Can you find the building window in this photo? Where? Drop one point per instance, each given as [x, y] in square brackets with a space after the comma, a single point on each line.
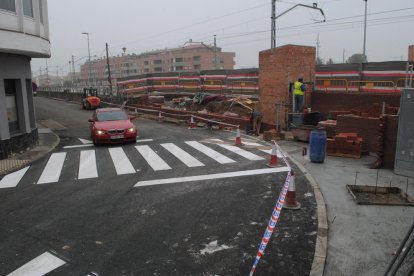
[179, 60]
[158, 69]
[28, 8]
[179, 68]
[8, 5]
[196, 58]
[158, 61]
[197, 67]
[11, 105]
[146, 62]
[221, 59]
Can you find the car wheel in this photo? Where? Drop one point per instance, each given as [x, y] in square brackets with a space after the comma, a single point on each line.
[88, 105]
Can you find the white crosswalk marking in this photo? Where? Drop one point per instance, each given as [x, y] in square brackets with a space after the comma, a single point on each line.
[53, 169]
[12, 179]
[241, 152]
[156, 163]
[220, 158]
[87, 165]
[121, 161]
[184, 156]
[40, 265]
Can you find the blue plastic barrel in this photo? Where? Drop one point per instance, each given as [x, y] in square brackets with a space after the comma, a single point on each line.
[317, 146]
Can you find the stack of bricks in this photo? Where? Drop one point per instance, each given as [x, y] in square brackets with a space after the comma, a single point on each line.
[367, 128]
[345, 145]
[277, 68]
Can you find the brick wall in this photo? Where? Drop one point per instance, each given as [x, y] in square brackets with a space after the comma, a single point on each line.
[277, 68]
[411, 53]
[346, 101]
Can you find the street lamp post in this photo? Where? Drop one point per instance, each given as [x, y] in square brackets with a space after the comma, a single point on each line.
[365, 32]
[89, 62]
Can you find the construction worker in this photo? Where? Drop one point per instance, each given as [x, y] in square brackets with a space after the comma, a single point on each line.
[256, 121]
[299, 89]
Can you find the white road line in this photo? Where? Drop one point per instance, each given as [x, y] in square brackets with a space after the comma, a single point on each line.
[184, 156]
[40, 265]
[53, 168]
[210, 176]
[12, 179]
[78, 146]
[156, 163]
[84, 141]
[121, 161]
[87, 165]
[220, 158]
[144, 140]
[241, 152]
[269, 151]
[252, 144]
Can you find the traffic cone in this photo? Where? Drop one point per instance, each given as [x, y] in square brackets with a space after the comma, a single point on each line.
[238, 139]
[192, 124]
[273, 158]
[160, 117]
[290, 200]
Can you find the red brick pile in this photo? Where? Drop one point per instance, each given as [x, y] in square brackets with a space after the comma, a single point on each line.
[345, 145]
[329, 126]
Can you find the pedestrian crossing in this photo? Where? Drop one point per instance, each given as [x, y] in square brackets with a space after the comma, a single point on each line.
[172, 155]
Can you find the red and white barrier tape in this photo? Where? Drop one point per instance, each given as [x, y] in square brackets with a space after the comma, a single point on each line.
[275, 214]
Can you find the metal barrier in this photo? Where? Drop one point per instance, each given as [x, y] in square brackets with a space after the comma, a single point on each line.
[331, 84]
[372, 86]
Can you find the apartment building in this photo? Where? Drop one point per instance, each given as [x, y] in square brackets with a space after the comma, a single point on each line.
[24, 34]
[194, 57]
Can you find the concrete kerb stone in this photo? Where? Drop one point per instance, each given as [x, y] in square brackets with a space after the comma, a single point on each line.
[319, 259]
[26, 158]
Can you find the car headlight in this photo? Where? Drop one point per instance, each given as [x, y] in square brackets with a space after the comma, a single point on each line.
[100, 132]
[131, 129]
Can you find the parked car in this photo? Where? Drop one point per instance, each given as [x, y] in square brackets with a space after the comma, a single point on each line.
[112, 125]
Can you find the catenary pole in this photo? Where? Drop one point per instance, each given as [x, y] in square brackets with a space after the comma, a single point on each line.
[109, 70]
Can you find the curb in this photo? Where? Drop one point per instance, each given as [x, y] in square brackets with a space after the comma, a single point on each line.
[319, 259]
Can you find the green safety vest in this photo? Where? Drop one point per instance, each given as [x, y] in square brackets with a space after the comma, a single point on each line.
[297, 90]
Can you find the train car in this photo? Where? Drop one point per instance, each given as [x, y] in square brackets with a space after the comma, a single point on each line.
[133, 86]
[189, 82]
[243, 82]
[373, 77]
[214, 81]
[163, 82]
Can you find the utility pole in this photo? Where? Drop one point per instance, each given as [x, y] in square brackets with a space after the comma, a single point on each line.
[273, 27]
[343, 55]
[317, 48]
[89, 54]
[73, 69]
[109, 70]
[47, 74]
[215, 53]
[365, 31]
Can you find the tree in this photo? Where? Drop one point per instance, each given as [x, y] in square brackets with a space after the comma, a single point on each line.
[330, 61]
[319, 61]
[357, 58]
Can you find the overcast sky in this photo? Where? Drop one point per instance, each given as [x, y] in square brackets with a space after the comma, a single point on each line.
[241, 26]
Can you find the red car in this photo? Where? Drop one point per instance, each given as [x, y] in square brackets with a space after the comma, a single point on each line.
[112, 125]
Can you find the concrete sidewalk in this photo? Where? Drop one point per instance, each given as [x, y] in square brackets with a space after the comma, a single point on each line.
[361, 238]
[46, 143]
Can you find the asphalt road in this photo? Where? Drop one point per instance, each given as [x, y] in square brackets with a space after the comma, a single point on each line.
[99, 219]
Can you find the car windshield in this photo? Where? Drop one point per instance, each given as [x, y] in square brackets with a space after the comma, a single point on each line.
[111, 116]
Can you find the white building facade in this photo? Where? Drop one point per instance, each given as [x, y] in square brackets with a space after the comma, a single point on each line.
[24, 34]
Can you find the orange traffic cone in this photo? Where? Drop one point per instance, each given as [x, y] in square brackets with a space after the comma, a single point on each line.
[290, 200]
[160, 117]
[192, 124]
[273, 158]
[238, 139]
